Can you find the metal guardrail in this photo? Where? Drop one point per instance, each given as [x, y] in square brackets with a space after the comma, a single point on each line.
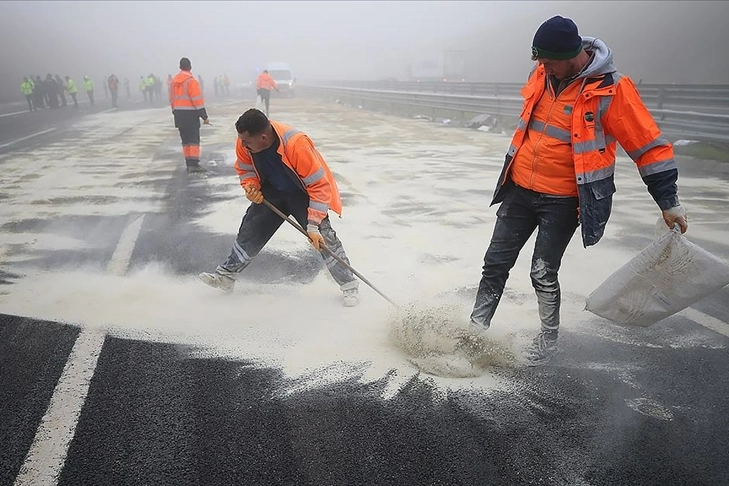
[693, 112]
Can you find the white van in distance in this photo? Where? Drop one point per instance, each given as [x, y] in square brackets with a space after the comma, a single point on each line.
[281, 73]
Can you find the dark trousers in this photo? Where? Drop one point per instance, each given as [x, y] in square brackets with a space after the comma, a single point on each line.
[521, 212]
[265, 95]
[114, 97]
[73, 97]
[38, 99]
[91, 96]
[260, 223]
[29, 97]
[190, 136]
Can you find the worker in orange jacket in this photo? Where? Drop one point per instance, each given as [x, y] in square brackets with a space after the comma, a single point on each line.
[188, 107]
[558, 172]
[264, 84]
[279, 163]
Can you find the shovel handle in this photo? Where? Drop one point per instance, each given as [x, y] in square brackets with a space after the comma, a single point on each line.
[331, 253]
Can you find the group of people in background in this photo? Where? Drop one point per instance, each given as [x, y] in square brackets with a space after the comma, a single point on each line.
[51, 91]
[221, 84]
[54, 92]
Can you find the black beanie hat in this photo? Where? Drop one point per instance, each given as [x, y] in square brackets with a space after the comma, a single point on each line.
[185, 64]
[557, 38]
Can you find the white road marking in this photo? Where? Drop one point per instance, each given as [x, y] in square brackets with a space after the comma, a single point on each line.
[706, 320]
[124, 248]
[47, 454]
[14, 113]
[26, 138]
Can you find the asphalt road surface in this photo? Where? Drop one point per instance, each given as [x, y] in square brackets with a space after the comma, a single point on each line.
[118, 367]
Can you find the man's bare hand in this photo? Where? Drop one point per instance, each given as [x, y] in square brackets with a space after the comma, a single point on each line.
[254, 194]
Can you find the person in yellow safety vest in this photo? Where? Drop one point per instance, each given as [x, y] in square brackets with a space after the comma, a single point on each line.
[27, 89]
[188, 107]
[149, 82]
[72, 90]
[89, 87]
[558, 172]
[143, 87]
[279, 164]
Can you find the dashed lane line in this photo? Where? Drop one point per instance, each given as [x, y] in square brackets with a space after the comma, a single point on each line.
[123, 253]
[706, 320]
[47, 454]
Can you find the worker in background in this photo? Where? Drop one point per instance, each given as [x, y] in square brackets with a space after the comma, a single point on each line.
[38, 95]
[188, 107]
[26, 87]
[143, 87]
[169, 85]
[51, 91]
[279, 163]
[72, 90]
[61, 88]
[113, 82]
[264, 84]
[149, 82]
[89, 87]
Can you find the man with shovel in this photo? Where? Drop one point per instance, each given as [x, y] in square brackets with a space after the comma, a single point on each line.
[558, 172]
[279, 166]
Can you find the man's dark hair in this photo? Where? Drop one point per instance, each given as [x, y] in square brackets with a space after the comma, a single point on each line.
[185, 64]
[252, 121]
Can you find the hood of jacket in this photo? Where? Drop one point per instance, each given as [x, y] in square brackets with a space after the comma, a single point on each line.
[602, 58]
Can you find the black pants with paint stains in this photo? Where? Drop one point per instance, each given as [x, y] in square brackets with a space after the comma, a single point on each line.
[260, 223]
[521, 212]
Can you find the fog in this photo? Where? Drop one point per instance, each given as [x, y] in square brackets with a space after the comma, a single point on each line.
[676, 42]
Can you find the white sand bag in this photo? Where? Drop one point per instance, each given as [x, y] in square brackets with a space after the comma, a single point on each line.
[664, 278]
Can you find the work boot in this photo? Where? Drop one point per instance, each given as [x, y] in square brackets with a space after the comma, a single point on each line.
[195, 168]
[543, 349]
[218, 281]
[350, 297]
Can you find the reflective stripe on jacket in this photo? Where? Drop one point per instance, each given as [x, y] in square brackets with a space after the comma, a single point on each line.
[185, 93]
[71, 86]
[607, 110]
[543, 163]
[298, 153]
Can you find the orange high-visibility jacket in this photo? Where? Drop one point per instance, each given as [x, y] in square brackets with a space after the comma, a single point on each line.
[265, 81]
[606, 109]
[298, 154]
[186, 100]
